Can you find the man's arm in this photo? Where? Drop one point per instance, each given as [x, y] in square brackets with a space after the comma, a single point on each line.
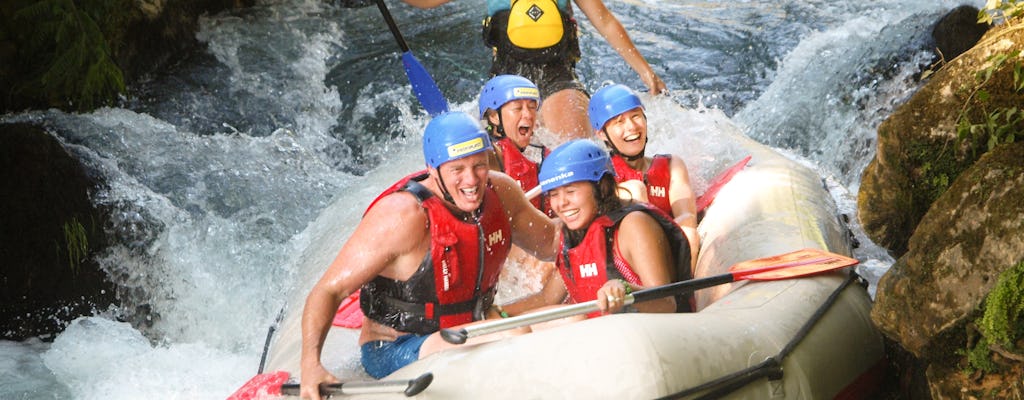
[531, 229]
[613, 32]
[390, 232]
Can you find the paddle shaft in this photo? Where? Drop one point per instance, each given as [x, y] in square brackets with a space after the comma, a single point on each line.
[410, 387]
[392, 26]
[459, 336]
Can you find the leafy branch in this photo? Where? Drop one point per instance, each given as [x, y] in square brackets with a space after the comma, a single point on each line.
[1002, 124]
[76, 60]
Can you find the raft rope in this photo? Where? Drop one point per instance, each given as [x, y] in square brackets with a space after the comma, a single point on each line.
[770, 367]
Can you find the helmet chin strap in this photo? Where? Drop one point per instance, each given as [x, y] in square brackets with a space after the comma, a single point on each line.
[615, 150]
[446, 195]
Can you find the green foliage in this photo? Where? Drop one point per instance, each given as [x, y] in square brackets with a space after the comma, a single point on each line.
[76, 244]
[999, 11]
[1004, 307]
[998, 125]
[1001, 324]
[75, 62]
[936, 170]
[979, 357]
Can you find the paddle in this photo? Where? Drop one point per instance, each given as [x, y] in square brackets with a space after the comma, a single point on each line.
[704, 200]
[273, 384]
[784, 266]
[423, 84]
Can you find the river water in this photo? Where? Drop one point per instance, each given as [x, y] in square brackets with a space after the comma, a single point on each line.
[227, 168]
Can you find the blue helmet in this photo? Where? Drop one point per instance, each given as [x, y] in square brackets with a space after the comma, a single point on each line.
[609, 102]
[576, 160]
[502, 89]
[451, 136]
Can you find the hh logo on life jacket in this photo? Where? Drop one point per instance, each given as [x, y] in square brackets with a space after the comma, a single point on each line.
[658, 191]
[588, 270]
[494, 237]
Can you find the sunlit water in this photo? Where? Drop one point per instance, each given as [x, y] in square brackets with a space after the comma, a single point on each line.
[226, 168]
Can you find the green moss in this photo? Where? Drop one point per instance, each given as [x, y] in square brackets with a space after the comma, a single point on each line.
[937, 170]
[979, 358]
[1001, 324]
[1004, 307]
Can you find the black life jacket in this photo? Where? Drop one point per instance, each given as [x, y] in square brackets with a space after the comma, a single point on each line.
[533, 31]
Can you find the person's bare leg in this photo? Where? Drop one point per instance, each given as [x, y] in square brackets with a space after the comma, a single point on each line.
[564, 114]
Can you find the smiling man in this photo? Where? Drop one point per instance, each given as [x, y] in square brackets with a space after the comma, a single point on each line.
[426, 255]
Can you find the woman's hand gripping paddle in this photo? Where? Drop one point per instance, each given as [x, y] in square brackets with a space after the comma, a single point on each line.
[273, 384]
[795, 264]
[423, 84]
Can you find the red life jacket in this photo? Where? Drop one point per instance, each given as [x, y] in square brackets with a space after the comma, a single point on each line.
[587, 265]
[522, 169]
[657, 178]
[456, 281]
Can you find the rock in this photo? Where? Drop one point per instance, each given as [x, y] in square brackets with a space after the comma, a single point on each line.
[968, 237]
[958, 31]
[918, 154]
[48, 233]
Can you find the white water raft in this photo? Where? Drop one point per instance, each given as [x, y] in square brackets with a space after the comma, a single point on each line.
[804, 338]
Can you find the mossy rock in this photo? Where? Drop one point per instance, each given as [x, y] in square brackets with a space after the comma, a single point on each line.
[919, 153]
[968, 238]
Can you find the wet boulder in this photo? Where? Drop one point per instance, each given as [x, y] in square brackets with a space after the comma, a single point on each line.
[957, 32]
[49, 233]
[968, 237]
[929, 300]
[919, 153]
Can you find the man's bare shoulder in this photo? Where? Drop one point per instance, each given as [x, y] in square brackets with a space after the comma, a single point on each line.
[401, 207]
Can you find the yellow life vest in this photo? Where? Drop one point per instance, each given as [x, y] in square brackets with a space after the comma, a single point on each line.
[535, 24]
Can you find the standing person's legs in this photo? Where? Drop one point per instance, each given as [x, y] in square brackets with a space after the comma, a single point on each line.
[564, 113]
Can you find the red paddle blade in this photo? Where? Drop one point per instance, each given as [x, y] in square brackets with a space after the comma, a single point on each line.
[261, 386]
[795, 264]
[349, 314]
[704, 200]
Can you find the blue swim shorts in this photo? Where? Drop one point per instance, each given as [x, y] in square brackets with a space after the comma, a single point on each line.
[381, 358]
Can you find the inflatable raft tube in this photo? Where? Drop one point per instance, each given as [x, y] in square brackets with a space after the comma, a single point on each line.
[805, 338]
